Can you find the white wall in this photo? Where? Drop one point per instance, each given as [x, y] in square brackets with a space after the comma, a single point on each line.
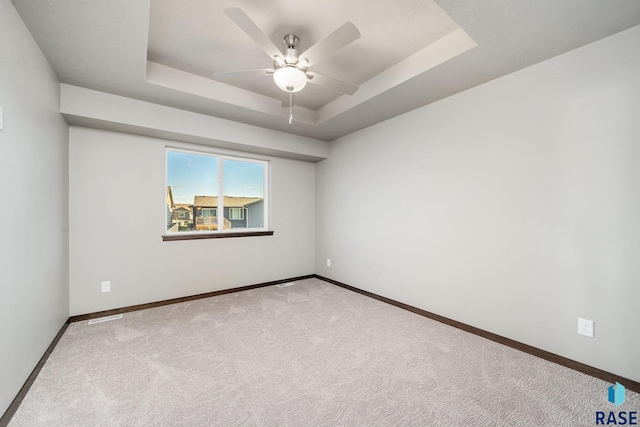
[513, 207]
[117, 213]
[33, 201]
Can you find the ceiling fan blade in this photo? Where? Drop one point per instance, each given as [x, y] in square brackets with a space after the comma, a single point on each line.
[287, 99]
[348, 33]
[228, 75]
[331, 83]
[245, 23]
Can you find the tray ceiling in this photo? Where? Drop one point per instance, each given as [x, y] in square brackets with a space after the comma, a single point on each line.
[411, 53]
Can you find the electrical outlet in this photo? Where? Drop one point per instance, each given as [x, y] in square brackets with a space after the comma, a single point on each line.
[328, 262]
[585, 327]
[106, 286]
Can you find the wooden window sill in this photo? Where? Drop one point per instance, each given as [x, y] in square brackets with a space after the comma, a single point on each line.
[172, 237]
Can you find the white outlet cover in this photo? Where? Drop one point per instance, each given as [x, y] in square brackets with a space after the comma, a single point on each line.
[585, 327]
[105, 286]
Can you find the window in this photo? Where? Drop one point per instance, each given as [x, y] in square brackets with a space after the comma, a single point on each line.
[210, 184]
[236, 213]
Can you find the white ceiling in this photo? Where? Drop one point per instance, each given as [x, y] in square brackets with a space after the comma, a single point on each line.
[411, 53]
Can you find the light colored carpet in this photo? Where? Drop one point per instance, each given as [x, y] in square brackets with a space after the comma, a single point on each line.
[312, 354]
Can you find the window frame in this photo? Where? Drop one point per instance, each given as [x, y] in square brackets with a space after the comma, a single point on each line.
[221, 156]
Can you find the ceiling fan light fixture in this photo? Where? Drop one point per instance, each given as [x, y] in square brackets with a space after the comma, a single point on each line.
[290, 79]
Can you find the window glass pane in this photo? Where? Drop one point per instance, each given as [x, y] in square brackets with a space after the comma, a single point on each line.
[192, 183]
[244, 191]
[193, 199]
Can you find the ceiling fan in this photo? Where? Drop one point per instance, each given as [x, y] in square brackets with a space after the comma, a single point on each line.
[291, 68]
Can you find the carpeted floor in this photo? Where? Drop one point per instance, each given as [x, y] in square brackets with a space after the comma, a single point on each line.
[312, 354]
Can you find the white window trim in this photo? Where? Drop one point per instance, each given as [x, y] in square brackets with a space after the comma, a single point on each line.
[221, 156]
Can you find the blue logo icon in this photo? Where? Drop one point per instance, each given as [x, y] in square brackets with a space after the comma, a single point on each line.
[616, 394]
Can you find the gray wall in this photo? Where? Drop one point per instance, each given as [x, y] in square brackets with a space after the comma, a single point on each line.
[521, 202]
[110, 170]
[34, 300]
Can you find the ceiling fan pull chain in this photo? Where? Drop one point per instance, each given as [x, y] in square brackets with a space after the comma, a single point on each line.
[290, 107]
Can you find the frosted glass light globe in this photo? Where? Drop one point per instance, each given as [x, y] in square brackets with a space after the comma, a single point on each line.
[290, 79]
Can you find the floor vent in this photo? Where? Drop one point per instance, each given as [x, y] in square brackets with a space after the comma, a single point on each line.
[105, 319]
[284, 285]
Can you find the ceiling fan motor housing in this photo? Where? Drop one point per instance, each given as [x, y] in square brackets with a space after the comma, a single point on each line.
[291, 56]
[290, 75]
